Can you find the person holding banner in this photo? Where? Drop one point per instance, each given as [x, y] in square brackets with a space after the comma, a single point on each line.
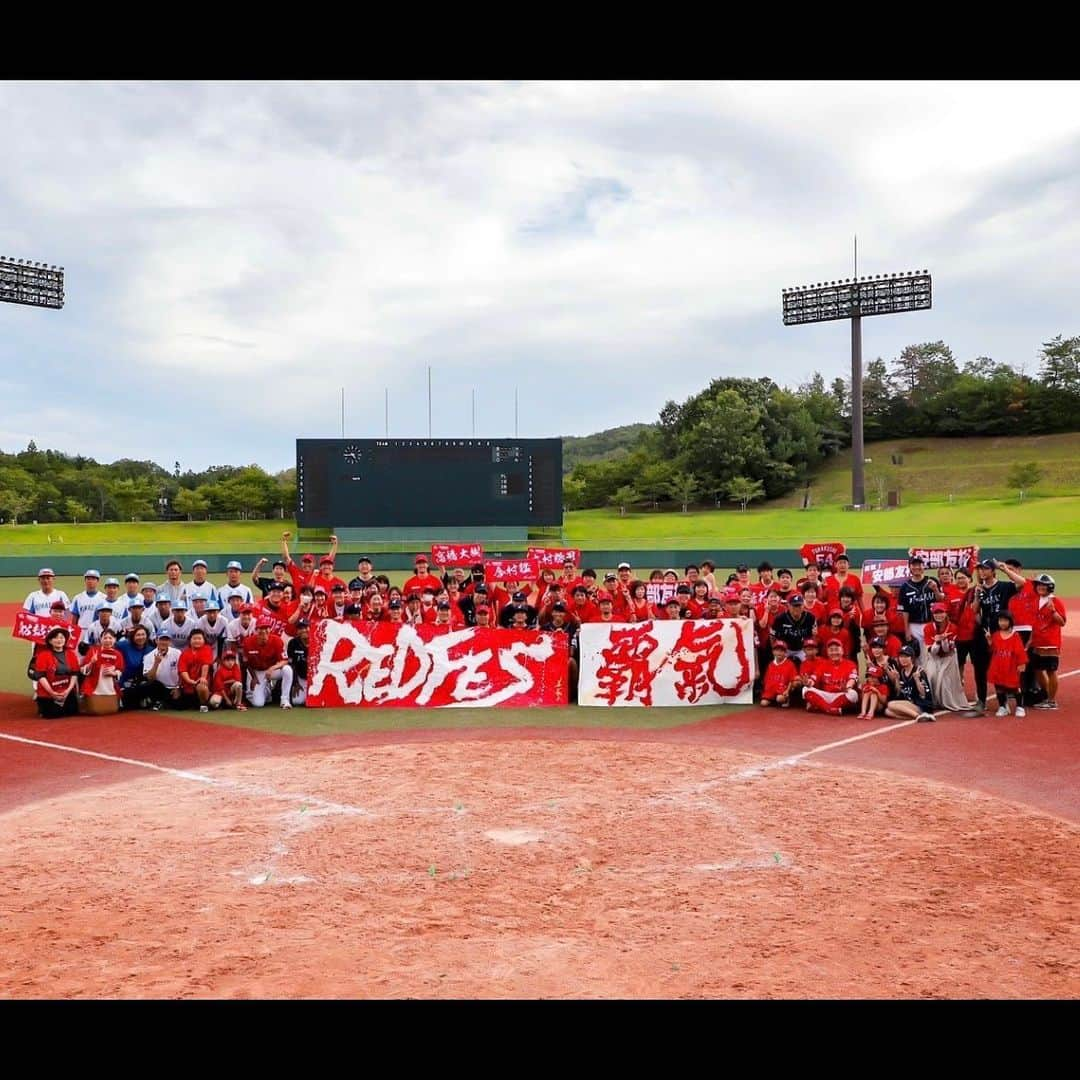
[56, 671]
[940, 661]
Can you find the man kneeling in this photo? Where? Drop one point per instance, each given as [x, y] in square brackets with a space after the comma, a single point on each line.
[834, 687]
[264, 654]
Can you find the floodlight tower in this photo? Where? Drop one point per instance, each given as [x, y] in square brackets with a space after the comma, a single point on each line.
[852, 298]
[31, 283]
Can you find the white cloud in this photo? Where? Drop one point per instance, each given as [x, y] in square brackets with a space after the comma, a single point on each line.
[603, 245]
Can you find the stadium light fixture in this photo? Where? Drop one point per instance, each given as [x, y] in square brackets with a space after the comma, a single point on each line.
[889, 294]
[33, 284]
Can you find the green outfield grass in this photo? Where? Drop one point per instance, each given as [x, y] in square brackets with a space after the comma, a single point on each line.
[1037, 522]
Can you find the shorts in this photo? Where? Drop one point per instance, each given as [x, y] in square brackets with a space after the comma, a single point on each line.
[1045, 663]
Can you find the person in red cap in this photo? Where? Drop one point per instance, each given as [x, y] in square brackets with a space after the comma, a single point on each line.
[874, 691]
[779, 676]
[940, 663]
[227, 689]
[834, 690]
[305, 573]
[422, 579]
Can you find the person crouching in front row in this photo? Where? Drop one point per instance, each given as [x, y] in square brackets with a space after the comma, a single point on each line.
[779, 677]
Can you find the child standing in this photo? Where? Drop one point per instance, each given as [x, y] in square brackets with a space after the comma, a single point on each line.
[1008, 660]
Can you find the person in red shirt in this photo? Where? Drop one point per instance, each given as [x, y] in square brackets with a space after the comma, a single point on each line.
[834, 628]
[102, 665]
[193, 668]
[834, 691]
[939, 660]
[619, 593]
[327, 578]
[1008, 659]
[879, 631]
[810, 669]
[960, 600]
[483, 616]
[266, 663]
[422, 578]
[227, 688]
[305, 573]
[785, 583]
[56, 676]
[841, 578]
[569, 579]
[765, 582]
[811, 577]
[274, 608]
[605, 614]
[582, 608]
[779, 676]
[1045, 646]
[874, 691]
[811, 603]
[699, 598]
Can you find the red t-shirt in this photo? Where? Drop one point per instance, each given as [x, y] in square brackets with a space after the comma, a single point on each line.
[834, 584]
[778, 678]
[278, 616]
[428, 581]
[260, 657]
[834, 678]
[301, 577]
[1047, 633]
[810, 671]
[191, 663]
[1023, 605]
[223, 676]
[97, 658]
[48, 664]
[825, 633]
[1006, 656]
[930, 632]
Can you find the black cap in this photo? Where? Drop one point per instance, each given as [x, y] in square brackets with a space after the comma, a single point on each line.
[443, 605]
[558, 606]
[877, 643]
[478, 568]
[395, 604]
[742, 568]
[301, 623]
[283, 566]
[988, 564]
[795, 600]
[916, 560]
[518, 598]
[338, 588]
[275, 585]
[683, 589]
[481, 588]
[907, 650]
[364, 558]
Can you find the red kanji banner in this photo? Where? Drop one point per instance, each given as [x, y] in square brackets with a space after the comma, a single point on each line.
[688, 662]
[821, 553]
[33, 628]
[884, 571]
[510, 570]
[451, 555]
[553, 558]
[371, 664]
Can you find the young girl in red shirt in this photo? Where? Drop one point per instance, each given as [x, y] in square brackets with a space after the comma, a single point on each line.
[1008, 660]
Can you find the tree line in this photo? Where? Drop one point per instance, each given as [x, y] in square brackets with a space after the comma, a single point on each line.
[50, 486]
[744, 439]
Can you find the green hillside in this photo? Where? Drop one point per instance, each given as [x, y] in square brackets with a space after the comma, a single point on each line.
[601, 445]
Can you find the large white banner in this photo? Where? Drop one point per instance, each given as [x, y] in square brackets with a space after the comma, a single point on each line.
[671, 662]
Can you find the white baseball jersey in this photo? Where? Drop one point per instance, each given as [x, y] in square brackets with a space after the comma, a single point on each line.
[215, 631]
[92, 634]
[236, 631]
[207, 590]
[121, 604]
[179, 631]
[40, 603]
[229, 590]
[168, 674]
[173, 592]
[127, 624]
[84, 607]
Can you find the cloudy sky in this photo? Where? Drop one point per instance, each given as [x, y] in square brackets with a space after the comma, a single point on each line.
[237, 252]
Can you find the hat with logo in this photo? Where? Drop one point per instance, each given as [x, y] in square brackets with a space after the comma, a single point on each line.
[199, 562]
[234, 565]
[136, 601]
[131, 577]
[90, 573]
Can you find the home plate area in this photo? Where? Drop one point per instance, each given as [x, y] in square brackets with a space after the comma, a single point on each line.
[535, 869]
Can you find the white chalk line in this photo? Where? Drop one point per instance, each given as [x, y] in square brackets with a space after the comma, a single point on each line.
[782, 763]
[237, 786]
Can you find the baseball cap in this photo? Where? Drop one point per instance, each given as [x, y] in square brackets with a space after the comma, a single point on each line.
[248, 609]
[338, 588]
[683, 589]
[148, 585]
[326, 561]
[131, 577]
[938, 607]
[907, 650]
[163, 599]
[301, 623]
[609, 576]
[623, 566]
[604, 598]
[988, 564]
[558, 606]
[198, 562]
[276, 586]
[834, 641]
[46, 570]
[136, 601]
[671, 600]
[568, 560]
[915, 560]
[482, 607]
[420, 559]
[179, 605]
[228, 653]
[58, 605]
[443, 605]
[212, 605]
[779, 645]
[481, 588]
[394, 605]
[234, 565]
[715, 598]
[877, 643]
[742, 568]
[90, 573]
[112, 581]
[320, 591]
[810, 643]
[796, 600]
[278, 562]
[364, 558]
[518, 597]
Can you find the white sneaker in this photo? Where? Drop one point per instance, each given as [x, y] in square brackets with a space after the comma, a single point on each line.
[203, 708]
[286, 705]
[1003, 711]
[1021, 711]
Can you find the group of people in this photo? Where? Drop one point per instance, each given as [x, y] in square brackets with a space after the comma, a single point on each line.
[196, 644]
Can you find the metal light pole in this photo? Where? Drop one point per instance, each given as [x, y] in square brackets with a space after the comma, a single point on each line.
[852, 298]
[31, 283]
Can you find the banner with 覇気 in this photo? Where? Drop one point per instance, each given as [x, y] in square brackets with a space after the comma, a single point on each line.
[677, 662]
[382, 663]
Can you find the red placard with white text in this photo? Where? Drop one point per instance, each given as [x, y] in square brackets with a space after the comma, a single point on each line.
[451, 555]
[395, 664]
[553, 558]
[510, 570]
[891, 572]
[33, 628]
[822, 553]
